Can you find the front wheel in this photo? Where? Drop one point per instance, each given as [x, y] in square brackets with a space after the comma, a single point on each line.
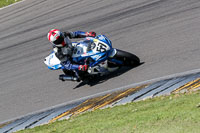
[127, 58]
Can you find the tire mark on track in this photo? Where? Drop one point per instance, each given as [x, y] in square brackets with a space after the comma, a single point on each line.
[133, 11]
[41, 15]
[153, 21]
[20, 10]
[109, 17]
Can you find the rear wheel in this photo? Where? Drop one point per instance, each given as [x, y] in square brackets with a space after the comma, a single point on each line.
[127, 58]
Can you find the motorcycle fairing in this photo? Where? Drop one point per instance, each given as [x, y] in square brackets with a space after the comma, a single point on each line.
[98, 49]
[92, 48]
[52, 62]
[104, 39]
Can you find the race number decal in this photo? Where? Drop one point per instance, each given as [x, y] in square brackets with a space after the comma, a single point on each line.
[99, 46]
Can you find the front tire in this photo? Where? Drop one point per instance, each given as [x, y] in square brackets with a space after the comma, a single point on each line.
[127, 58]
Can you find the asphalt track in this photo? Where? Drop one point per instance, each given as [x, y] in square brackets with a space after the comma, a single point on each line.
[165, 34]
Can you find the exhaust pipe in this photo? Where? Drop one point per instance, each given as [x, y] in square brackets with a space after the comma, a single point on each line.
[68, 78]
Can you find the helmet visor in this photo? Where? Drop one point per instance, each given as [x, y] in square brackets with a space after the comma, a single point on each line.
[59, 40]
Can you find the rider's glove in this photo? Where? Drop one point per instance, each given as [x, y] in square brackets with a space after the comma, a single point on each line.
[90, 34]
[83, 67]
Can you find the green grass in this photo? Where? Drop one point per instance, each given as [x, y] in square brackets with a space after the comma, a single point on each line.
[170, 114]
[7, 2]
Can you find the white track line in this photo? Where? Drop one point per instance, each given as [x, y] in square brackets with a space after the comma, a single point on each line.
[12, 4]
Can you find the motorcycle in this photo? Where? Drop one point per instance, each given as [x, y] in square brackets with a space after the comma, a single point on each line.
[98, 54]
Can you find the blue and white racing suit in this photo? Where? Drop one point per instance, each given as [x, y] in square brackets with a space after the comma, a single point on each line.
[64, 53]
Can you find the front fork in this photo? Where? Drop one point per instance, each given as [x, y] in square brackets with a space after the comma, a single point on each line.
[112, 54]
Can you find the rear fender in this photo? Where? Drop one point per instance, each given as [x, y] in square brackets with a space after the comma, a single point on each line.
[52, 62]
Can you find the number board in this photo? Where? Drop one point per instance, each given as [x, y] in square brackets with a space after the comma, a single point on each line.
[99, 46]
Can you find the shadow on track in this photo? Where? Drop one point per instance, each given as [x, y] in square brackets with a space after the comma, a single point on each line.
[101, 79]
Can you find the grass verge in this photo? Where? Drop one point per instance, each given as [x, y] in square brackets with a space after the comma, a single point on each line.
[178, 113]
[7, 2]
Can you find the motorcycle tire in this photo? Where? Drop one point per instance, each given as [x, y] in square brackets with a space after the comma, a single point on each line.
[127, 58]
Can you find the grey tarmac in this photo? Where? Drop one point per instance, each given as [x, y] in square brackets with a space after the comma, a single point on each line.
[165, 34]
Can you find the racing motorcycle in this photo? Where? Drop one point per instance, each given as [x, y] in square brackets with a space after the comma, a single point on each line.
[98, 54]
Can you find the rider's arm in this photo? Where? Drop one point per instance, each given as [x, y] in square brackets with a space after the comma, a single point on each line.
[69, 66]
[79, 34]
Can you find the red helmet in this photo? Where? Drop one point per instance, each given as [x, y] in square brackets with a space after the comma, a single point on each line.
[55, 36]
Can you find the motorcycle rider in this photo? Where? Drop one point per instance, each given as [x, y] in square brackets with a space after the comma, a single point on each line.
[63, 47]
